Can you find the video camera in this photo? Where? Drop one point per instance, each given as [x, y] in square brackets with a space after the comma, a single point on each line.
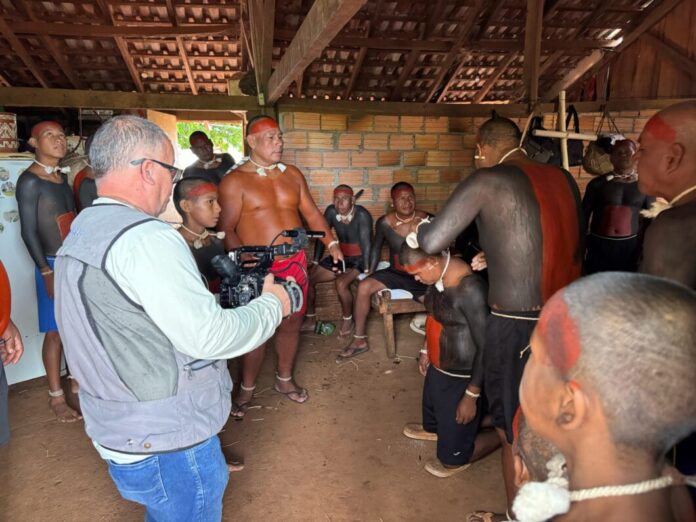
[242, 280]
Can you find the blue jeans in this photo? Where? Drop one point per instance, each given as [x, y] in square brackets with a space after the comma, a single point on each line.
[185, 485]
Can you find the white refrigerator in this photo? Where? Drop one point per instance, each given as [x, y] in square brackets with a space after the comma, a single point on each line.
[20, 269]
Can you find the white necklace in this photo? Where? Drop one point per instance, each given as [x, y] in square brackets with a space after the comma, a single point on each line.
[347, 218]
[633, 175]
[660, 206]
[440, 285]
[261, 170]
[510, 152]
[50, 170]
[198, 242]
[619, 491]
[400, 221]
[208, 164]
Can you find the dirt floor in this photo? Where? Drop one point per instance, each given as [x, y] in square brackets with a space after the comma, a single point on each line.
[340, 456]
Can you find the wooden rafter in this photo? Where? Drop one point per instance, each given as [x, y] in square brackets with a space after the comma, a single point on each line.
[598, 59]
[453, 78]
[261, 22]
[490, 16]
[4, 81]
[125, 31]
[181, 48]
[406, 70]
[323, 22]
[493, 78]
[122, 47]
[532, 48]
[676, 55]
[435, 15]
[22, 52]
[355, 72]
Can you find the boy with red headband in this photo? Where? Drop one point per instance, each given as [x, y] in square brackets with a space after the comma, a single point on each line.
[353, 226]
[46, 210]
[260, 198]
[451, 361]
[209, 165]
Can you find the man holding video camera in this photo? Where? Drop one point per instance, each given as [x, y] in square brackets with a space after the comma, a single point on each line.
[259, 198]
[144, 337]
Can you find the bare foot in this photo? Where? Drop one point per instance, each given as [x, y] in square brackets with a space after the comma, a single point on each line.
[356, 347]
[62, 411]
[290, 390]
[485, 516]
[346, 329]
[241, 401]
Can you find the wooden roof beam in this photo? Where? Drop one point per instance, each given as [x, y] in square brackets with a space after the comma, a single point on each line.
[452, 79]
[182, 49]
[262, 22]
[676, 55]
[355, 72]
[491, 16]
[22, 52]
[126, 31]
[490, 82]
[598, 59]
[323, 22]
[406, 70]
[532, 48]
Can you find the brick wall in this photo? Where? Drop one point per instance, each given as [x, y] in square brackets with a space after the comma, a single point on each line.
[373, 152]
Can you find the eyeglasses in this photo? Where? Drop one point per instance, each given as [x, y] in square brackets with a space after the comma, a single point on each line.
[174, 172]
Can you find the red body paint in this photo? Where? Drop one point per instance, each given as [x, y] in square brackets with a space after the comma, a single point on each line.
[346, 191]
[64, 221]
[616, 221]
[37, 129]
[560, 229]
[76, 186]
[350, 249]
[660, 129]
[199, 190]
[516, 423]
[560, 334]
[433, 329]
[5, 299]
[264, 124]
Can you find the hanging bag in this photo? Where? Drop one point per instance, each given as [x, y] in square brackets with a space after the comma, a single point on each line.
[597, 158]
[538, 148]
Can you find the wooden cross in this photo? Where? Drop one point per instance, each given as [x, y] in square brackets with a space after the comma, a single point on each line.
[562, 133]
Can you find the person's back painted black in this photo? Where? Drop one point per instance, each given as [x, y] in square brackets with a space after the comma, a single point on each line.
[385, 232]
[87, 193]
[530, 227]
[462, 312]
[353, 236]
[214, 175]
[46, 210]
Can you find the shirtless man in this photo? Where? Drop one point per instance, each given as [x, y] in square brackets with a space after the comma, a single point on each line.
[528, 218]
[259, 199]
[611, 205]
[614, 421]
[209, 165]
[353, 226]
[46, 210]
[392, 228]
[451, 361]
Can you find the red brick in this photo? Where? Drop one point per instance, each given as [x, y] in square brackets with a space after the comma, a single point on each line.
[429, 207]
[374, 141]
[401, 141]
[462, 158]
[336, 159]
[334, 122]
[412, 124]
[295, 140]
[438, 192]
[414, 159]
[628, 114]
[360, 123]
[315, 192]
[451, 142]
[639, 124]
[380, 176]
[320, 140]
[321, 177]
[386, 123]
[426, 141]
[438, 158]
[377, 209]
[428, 175]
[367, 195]
[433, 124]
[354, 178]
[364, 159]
[307, 120]
[289, 157]
[384, 194]
[389, 159]
[308, 159]
[451, 176]
[469, 141]
[462, 125]
[350, 141]
[420, 193]
[648, 112]
[624, 124]
[286, 121]
[408, 175]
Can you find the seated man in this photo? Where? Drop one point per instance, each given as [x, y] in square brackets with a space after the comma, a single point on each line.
[612, 206]
[196, 201]
[614, 391]
[353, 226]
[392, 228]
[209, 165]
[452, 363]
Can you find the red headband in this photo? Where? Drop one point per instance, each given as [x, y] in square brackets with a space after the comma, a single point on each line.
[660, 129]
[415, 266]
[263, 124]
[199, 190]
[343, 191]
[37, 129]
[561, 334]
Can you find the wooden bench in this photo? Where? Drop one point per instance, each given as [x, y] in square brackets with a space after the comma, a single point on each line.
[388, 307]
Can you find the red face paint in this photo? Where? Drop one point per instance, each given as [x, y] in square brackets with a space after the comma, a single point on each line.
[516, 424]
[37, 129]
[199, 190]
[264, 124]
[415, 266]
[660, 129]
[395, 194]
[339, 191]
[560, 334]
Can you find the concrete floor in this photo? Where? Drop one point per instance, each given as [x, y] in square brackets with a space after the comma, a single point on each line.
[341, 456]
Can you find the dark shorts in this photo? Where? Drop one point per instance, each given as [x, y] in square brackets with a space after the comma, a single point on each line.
[441, 395]
[505, 354]
[395, 279]
[352, 262]
[47, 319]
[611, 255]
[4, 415]
[295, 266]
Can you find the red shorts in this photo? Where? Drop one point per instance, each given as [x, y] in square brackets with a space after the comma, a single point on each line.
[296, 267]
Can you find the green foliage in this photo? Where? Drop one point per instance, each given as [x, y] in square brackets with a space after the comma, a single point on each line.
[223, 135]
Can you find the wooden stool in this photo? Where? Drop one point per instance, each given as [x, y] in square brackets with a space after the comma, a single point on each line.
[383, 303]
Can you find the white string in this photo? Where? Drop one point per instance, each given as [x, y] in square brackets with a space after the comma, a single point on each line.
[618, 491]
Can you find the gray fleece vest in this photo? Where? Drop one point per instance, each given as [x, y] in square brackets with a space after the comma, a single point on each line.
[137, 392]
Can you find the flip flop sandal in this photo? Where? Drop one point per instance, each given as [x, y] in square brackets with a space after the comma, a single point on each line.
[435, 467]
[300, 392]
[354, 352]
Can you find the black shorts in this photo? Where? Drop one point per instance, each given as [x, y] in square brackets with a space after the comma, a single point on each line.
[355, 262]
[606, 254]
[504, 356]
[396, 279]
[441, 395]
